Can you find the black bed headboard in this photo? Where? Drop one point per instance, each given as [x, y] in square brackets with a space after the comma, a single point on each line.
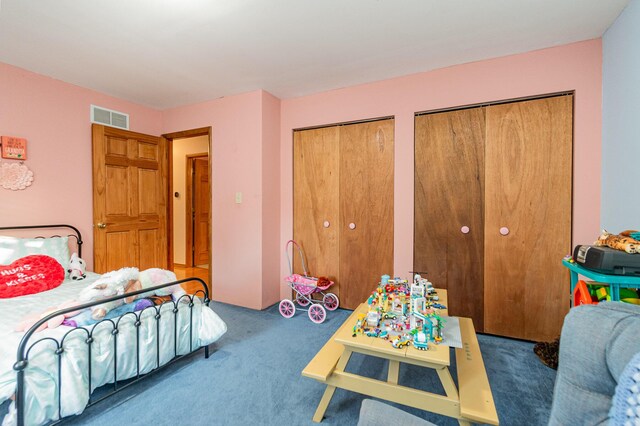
[76, 233]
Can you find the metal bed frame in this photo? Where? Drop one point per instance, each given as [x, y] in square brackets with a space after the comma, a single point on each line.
[22, 359]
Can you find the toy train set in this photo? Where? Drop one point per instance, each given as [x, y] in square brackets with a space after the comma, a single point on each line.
[403, 314]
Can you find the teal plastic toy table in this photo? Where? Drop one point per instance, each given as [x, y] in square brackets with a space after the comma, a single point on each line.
[616, 282]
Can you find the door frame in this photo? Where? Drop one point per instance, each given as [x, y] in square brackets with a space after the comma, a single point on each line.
[202, 131]
[190, 207]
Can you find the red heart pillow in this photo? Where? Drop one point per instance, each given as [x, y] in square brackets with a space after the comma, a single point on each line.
[30, 275]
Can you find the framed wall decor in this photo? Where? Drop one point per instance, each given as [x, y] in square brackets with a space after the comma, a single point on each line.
[13, 148]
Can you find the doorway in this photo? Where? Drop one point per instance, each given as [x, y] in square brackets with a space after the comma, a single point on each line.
[190, 253]
[197, 210]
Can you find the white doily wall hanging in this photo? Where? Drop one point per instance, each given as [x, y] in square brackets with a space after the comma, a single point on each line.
[15, 176]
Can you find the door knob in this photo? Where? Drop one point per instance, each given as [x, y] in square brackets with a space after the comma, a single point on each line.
[102, 225]
[465, 229]
[504, 230]
[326, 224]
[352, 226]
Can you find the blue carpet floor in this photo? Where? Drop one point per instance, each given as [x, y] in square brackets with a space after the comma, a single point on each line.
[253, 377]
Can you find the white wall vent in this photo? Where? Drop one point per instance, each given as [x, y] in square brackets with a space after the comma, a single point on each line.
[109, 117]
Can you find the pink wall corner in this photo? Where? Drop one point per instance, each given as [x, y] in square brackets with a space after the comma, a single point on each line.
[270, 199]
[236, 161]
[575, 66]
[54, 117]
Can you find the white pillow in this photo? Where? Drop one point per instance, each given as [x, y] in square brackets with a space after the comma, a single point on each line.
[12, 248]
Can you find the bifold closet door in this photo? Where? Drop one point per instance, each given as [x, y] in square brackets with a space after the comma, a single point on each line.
[366, 208]
[527, 217]
[316, 203]
[448, 207]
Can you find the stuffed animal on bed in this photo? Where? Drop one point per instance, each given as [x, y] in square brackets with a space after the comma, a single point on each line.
[77, 268]
[153, 277]
[127, 280]
[618, 242]
[54, 322]
[108, 285]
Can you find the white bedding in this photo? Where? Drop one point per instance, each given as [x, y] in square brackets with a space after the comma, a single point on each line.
[41, 375]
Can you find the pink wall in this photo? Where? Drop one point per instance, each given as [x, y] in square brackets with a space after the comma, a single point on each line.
[54, 117]
[271, 248]
[252, 151]
[236, 161]
[571, 67]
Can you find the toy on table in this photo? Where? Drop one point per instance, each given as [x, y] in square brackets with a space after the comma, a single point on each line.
[373, 318]
[621, 241]
[631, 233]
[401, 341]
[426, 328]
[358, 327]
[402, 313]
[304, 287]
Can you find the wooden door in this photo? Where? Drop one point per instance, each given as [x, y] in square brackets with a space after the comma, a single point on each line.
[129, 199]
[366, 208]
[448, 202]
[528, 193]
[201, 209]
[316, 219]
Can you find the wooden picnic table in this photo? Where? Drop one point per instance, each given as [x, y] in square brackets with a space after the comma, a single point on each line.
[470, 401]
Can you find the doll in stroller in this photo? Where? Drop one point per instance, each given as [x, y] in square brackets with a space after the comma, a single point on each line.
[304, 287]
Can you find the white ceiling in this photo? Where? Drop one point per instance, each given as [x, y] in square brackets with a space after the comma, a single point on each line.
[165, 53]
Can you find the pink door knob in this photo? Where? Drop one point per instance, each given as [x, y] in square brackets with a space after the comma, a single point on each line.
[465, 229]
[504, 230]
[326, 224]
[352, 226]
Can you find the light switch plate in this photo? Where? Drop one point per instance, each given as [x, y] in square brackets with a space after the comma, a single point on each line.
[238, 197]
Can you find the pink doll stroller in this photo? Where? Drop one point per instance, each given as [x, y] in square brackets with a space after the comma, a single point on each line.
[304, 286]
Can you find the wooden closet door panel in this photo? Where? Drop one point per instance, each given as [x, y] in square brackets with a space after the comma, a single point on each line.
[449, 188]
[366, 200]
[316, 168]
[528, 191]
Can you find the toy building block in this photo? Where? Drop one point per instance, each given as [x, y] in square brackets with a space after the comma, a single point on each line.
[373, 318]
[602, 293]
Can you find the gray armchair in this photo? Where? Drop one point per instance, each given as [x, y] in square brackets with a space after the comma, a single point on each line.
[596, 344]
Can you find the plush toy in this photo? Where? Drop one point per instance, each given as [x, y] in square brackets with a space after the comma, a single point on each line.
[631, 233]
[110, 284]
[54, 322]
[128, 280]
[151, 278]
[618, 242]
[77, 268]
